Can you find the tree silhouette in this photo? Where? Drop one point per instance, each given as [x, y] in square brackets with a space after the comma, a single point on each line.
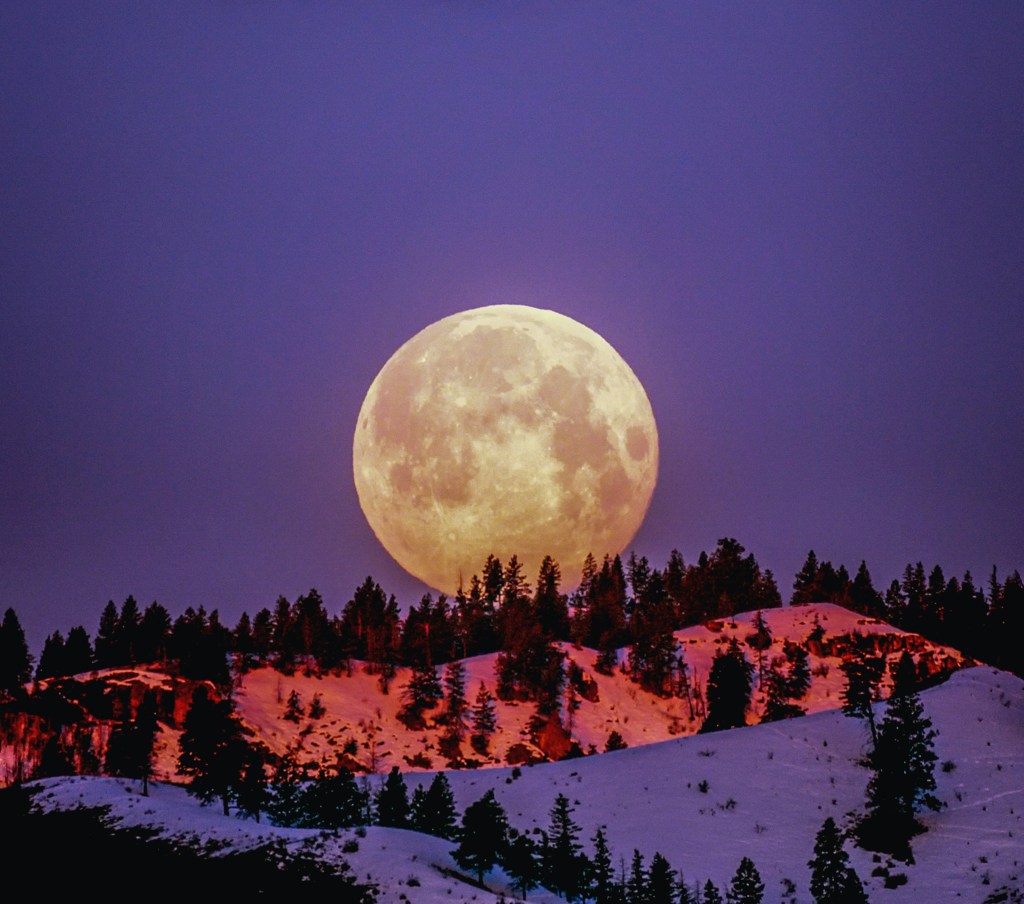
[833, 880]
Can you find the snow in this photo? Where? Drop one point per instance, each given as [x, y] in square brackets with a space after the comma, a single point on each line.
[769, 787]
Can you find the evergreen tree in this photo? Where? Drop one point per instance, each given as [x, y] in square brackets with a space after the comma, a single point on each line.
[251, 794]
[601, 876]
[833, 880]
[863, 674]
[316, 707]
[131, 744]
[108, 654]
[153, 634]
[77, 651]
[15, 661]
[799, 671]
[661, 881]
[777, 696]
[562, 856]
[455, 698]
[903, 762]
[805, 585]
[520, 862]
[393, 801]
[483, 838]
[423, 692]
[286, 804]
[333, 800]
[729, 689]
[51, 660]
[746, 886]
[636, 884]
[128, 630]
[711, 893]
[213, 749]
[438, 810]
[293, 708]
[485, 719]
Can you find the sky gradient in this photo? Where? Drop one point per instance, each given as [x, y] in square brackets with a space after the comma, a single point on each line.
[802, 225]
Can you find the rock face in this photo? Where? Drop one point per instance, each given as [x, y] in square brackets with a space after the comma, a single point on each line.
[65, 723]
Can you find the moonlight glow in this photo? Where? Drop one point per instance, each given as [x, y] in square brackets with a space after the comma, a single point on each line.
[504, 430]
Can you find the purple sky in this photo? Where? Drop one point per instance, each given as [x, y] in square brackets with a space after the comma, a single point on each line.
[801, 224]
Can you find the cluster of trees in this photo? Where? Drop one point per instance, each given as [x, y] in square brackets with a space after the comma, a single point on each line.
[555, 859]
[952, 612]
[902, 754]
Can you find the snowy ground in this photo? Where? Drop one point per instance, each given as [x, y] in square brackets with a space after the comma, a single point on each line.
[769, 788]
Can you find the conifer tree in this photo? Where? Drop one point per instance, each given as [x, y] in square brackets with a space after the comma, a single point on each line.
[439, 816]
[711, 893]
[746, 886]
[483, 838]
[131, 745]
[251, 795]
[333, 800]
[485, 719]
[601, 876]
[107, 652]
[799, 681]
[520, 862]
[293, 708]
[15, 661]
[455, 698]
[636, 884]
[863, 674]
[213, 748]
[286, 804]
[728, 691]
[423, 692]
[833, 880]
[563, 862]
[903, 761]
[393, 801]
[51, 660]
[78, 655]
[661, 881]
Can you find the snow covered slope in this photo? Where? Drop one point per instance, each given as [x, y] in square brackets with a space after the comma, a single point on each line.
[361, 719]
[768, 789]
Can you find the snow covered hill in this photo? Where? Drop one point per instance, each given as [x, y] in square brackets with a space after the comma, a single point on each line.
[702, 801]
[362, 721]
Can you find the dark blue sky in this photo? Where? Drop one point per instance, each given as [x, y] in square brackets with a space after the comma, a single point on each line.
[801, 224]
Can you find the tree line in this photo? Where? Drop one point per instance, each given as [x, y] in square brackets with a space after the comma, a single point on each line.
[617, 606]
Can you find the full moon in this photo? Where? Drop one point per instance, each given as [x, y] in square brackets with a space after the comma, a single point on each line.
[505, 430]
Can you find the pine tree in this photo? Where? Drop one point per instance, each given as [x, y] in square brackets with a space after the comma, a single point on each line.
[601, 876]
[520, 862]
[455, 698]
[485, 719]
[746, 886]
[728, 691]
[636, 884]
[107, 652]
[903, 761]
[286, 803]
[251, 794]
[15, 661]
[711, 893]
[333, 800]
[316, 707]
[661, 881]
[799, 673]
[293, 708]
[439, 817]
[423, 692]
[131, 745]
[863, 674]
[562, 860]
[483, 838]
[393, 801]
[77, 651]
[52, 659]
[213, 749]
[833, 880]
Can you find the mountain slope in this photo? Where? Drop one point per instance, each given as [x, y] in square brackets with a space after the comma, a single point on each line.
[769, 788]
